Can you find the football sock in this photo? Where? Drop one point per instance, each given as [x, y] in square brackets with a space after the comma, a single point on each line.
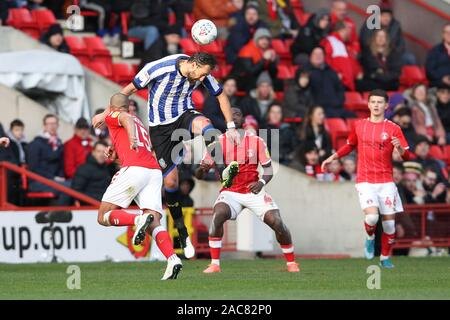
[288, 251]
[370, 223]
[215, 244]
[163, 241]
[173, 202]
[387, 239]
[119, 218]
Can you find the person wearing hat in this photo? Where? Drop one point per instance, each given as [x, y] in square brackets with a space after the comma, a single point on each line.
[309, 37]
[242, 30]
[254, 58]
[54, 38]
[412, 183]
[77, 148]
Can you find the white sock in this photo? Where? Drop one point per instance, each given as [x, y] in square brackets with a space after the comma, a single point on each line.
[383, 257]
[215, 261]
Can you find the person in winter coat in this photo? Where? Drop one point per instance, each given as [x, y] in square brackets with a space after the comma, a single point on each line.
[298, 96]
[77, 148]
[54, 38]
[93, 177]
[438, 60]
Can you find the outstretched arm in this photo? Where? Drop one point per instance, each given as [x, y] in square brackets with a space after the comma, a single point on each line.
[129, 89]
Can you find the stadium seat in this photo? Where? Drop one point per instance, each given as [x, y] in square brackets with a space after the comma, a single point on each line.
[143, 94]
[78, 49]
[351, 123]
[122, 73]
[188, 22]
[44, 19]
[20, 18]
[101, 69]
[188, 45]
[85, 13]
[279, 95]
[198, 99]
[281, 49]
[98, 52]
[447, 154]
[338, 131]
[124, 18]
[284, 72]
[301, 16]
[354, 101]
[437, 152]
[412, 75]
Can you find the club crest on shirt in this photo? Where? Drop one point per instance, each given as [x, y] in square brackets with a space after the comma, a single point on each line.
[384, 136]
[115, 114]
[162, 163]
[250, 153]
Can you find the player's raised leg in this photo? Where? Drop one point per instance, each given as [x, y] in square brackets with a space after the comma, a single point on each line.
[222, 213]
[173, 200]
[387, 240]
[110, 214]
[370, 224]
[273, 219]
[165, 245]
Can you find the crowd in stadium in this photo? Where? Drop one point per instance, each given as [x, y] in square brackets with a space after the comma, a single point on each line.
[329, 61]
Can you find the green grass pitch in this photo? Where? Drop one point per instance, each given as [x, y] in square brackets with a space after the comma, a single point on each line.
[413, 278]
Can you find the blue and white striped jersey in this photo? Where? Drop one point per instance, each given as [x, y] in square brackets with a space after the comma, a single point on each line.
[169, 92]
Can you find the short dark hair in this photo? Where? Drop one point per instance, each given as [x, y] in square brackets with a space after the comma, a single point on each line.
[82, 123]
[203, 59]
[404, 111]
[16, 123]
[48, 116]
[379, 93]
[100, 143]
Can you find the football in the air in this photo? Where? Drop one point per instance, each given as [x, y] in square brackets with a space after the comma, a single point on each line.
[204, 31]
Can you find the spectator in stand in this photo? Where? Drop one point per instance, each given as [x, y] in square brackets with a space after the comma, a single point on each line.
[443, 107]
[218, 11]
[425, 117]
[259, 100]
[93, 177]
[298, 97]
[45, 157]
[382, 64]
[54, 38]
[339, 15]
[35, 4]
[279, 17]
[402, 117]
[438, 60]
[77, 148]
[333, 171]
[348, 172]
[15, 153]
[164, 46]
[242, 32]
[313, 131]
[187, 184]
[254, 58]
[211, 108]
[326, 88]
[412, 185]
[396, 101]
[284, 142]
[436, 192]
[342, 61]
[310, 36]
[422, 152]
[307, 160]
[148, 20]
[133, 107]
[394, 30]
[102, 132]
[103, 9]
[3, 12]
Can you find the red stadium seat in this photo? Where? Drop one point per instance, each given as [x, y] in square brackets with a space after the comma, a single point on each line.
[188, 45]
[284, 72]
[122, 73]
[188, 21]
[301, 16]
[226, 70]
[437, 152]
[143, 94]
[354, 101]
[20, 18]
[279, 95]
[101, 69]
[78, 49]
[85, 13]
[44, 19]
[98, 51]
[280, 48]
[447, 153]
[351, 123]
[124, 18]
[412, 75]
[338, 131]
[198, 99]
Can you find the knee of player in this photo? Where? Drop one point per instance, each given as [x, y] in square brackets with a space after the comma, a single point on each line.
[220, 216]
[170, 184]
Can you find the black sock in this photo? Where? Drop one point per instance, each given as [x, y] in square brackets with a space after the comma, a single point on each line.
[173, 202]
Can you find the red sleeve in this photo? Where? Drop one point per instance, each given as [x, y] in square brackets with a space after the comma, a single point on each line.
[398, 133]
[263, 152]
[112, 119]
[70, 166]
[352, 142]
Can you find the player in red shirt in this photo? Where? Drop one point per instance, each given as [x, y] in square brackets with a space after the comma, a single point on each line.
[139, 179]
[375, 139]
[244, 189]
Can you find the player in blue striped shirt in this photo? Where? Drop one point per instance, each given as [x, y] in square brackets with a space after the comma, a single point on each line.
[171, 81]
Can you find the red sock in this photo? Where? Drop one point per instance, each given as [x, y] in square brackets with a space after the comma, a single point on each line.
[120, 218]
[387, 240]
[370, 229]
[163, 241]
[288, 251]
[215, 244]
